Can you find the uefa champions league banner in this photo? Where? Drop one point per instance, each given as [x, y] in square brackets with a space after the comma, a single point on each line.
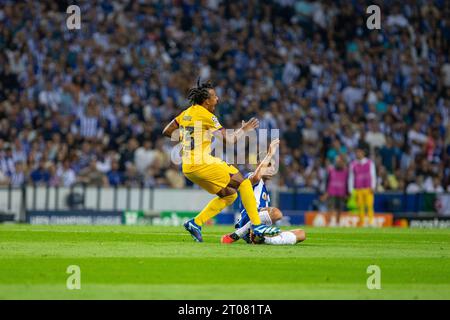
[74, 217]
[95, 217]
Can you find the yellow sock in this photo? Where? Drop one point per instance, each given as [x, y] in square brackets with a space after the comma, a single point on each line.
[370, 209]
[213, 208]
[362, 214]
[360, 203]
[249, 202]
[370, 214]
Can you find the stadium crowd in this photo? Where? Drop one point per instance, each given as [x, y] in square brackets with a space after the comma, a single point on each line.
[89, 105]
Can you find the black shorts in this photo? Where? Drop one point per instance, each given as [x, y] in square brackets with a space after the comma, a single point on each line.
[337, 203]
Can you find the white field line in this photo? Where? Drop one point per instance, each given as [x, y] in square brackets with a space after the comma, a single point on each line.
[86, 231]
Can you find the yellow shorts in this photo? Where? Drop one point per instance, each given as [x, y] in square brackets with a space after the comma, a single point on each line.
[211, 177]
[364, 198]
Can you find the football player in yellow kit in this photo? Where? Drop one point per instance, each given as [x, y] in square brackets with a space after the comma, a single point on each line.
[198, 125]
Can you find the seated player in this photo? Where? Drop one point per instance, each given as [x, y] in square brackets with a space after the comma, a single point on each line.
[269, 215]
[263, 172]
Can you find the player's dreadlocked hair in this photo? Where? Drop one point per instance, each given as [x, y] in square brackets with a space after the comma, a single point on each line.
[199, 94]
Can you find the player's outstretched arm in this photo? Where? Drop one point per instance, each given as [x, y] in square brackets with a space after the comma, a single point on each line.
[263, 168]
[252, 124]
[170, 128]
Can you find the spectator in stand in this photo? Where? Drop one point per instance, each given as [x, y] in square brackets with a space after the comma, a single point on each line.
[389, 155]
[144, 156]
[7, 162]
[115, 176]
[54, 178]
[4, 179]
[18, 177]
[88, 124]
[91, 176]
[433, 184]
[132, 177]
[415, 185]
[293, 135]
[336, 150]
[175, 178]
[127, 154]
[312, 70]
[374, 137]
[66, 175]
[417, 139]
[40, 175]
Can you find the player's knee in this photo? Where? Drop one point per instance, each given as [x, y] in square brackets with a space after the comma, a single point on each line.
[230, 198]
[275, 214]
[236, 180]
[300, 234]
[227, 193]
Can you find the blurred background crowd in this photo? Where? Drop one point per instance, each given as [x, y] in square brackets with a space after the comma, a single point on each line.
[89, 105]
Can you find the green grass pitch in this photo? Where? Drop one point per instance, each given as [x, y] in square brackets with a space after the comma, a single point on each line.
[149, 262]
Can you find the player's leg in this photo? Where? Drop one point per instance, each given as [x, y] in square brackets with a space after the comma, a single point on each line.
[224, 198]
[216, 205]
[300, 234]
[239, 233]
[359, 194]
[339, 208]
[226, 195]
[268, 217]
[284, 238]
[332, 203]
[369, 203]
[213, 178]
[244, 186]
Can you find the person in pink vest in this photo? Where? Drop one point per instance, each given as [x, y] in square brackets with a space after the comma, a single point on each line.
[362, 180]
[337, 189]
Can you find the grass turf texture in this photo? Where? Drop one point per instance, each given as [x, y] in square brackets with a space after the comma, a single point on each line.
[148, 262]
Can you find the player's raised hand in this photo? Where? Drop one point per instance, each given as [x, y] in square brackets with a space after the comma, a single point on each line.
[273, 147]
[251, 124]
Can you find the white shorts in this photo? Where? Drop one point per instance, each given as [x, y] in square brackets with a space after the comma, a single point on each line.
[265, 216]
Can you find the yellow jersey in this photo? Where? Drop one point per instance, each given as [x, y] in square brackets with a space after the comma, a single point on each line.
[197, 125]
